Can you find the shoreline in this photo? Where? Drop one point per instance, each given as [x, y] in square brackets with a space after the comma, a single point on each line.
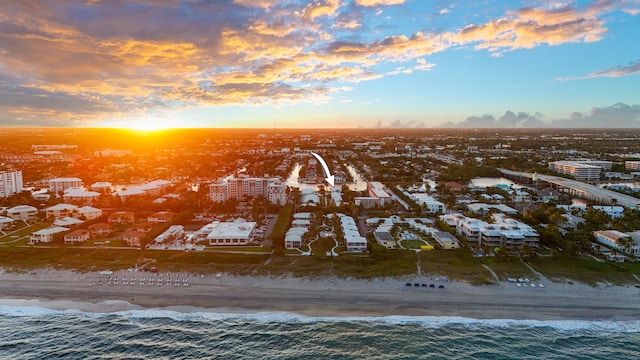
[324, 297]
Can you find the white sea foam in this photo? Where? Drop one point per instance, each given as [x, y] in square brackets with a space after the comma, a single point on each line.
[431, 322]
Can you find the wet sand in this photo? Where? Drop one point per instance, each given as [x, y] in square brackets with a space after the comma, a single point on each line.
[63, 290]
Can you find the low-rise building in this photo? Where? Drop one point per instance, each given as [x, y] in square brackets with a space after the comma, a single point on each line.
[367, 202]
[80, 196]
[46, 235]
[77, 236]
[504, 232]
[293, 237]
[67, 221]
[160, 217]
[428, 202]
[5, 221]
[88, 212]
[22, 212]
[445, 240]
[353, 240]
[132, 238]
[483, 209]
[173, 233]
[60, 210]
[380, 191]
[628, 243]
[548, 195]
[121, 217]
[232, 233]
[100, 229]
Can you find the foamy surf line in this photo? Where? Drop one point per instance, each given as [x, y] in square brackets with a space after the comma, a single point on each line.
[123, 309]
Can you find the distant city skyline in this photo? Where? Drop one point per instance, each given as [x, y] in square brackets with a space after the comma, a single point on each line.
[319, 64]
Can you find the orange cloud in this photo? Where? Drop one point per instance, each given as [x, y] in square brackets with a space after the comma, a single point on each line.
[269, 52]
[530, 27]
[321, 8]
[379, 2]
[264, 4]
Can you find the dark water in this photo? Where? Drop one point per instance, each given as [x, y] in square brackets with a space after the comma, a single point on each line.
[36, 333]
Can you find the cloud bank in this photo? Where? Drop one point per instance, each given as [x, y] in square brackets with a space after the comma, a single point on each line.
[78, 61]
[615, 116]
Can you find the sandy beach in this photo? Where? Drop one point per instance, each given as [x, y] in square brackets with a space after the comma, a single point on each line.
[94, 292]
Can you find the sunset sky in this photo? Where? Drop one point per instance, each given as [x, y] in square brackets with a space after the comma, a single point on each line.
[319, 64]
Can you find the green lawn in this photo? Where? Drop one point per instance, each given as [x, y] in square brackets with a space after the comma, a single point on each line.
[412, 244]
[508, 267]
[378, 263]
[321, 246]
[24, 231]
[458, 264]
[586, 270]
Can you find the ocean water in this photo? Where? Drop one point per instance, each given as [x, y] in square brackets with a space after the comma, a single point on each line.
[38, 333]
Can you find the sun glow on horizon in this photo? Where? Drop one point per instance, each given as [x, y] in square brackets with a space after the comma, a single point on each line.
[145, 124]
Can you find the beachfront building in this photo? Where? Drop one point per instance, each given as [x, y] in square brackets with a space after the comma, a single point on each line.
[46, 235]
[22, 212]
[353, 240]
[59, 211]
[173, 233]
[77, 237]
[100, 229]
[628, 243]
[237, 188]
[10, 183]
[293, 237]
[132, 238]
[59, 185]
[504, 232]
[232, 233]
[445, 240]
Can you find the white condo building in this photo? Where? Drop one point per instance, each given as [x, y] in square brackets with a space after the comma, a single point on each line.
[582, 170]
[503, 232]
[238, 232]
[10, 183]
[61, 184]
[432, 205]
[628, 243]
[237, 188]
